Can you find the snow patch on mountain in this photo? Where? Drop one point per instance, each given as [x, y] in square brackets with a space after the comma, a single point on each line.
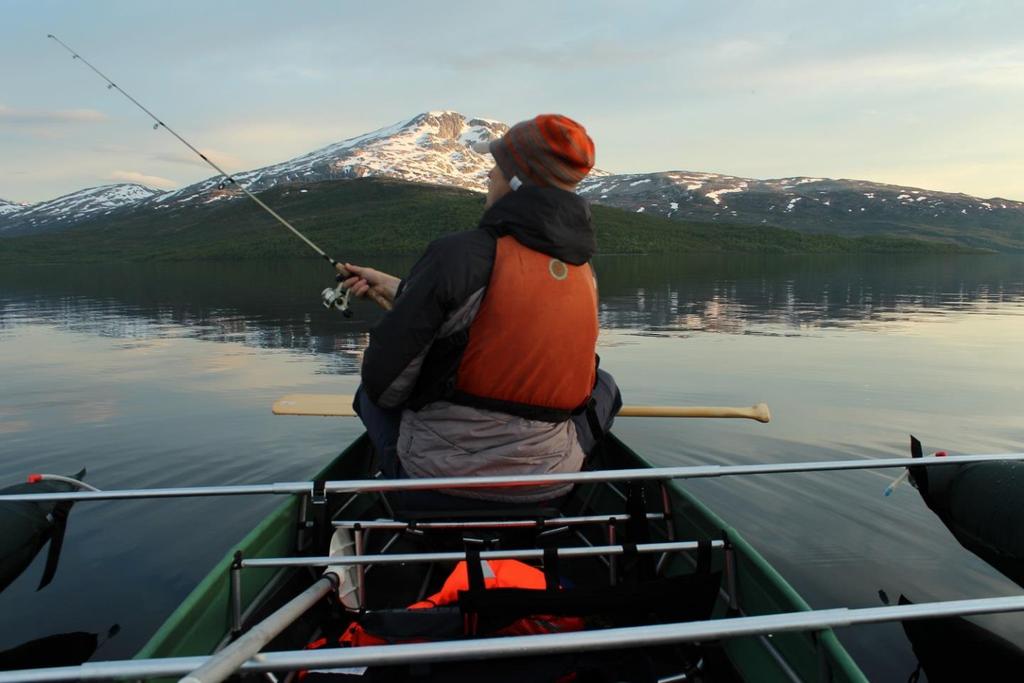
[9, 208]
[433, 147]
[429, 148]
[802, 203]
[715, 196]
[76, 206]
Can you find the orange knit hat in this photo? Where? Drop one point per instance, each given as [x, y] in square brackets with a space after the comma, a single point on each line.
[549, 149]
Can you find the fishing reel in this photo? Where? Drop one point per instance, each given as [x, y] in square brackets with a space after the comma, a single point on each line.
[337, 297]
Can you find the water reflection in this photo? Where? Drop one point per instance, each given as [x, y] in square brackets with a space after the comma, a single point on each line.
[275, 305]
[787, 296]
[108, 367]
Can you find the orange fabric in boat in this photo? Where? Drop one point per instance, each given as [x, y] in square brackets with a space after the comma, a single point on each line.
[533, 340]
[501, 574]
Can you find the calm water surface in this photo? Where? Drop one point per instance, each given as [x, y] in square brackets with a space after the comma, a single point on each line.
[163, 375]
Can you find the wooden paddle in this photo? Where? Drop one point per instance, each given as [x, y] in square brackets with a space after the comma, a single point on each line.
[340, 405]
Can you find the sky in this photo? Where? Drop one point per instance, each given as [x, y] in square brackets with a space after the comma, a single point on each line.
[921, 94]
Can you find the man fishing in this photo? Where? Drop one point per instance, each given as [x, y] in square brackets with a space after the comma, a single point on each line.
[486, 364]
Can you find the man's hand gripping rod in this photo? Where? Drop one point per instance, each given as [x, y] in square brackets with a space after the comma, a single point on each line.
[336, 297]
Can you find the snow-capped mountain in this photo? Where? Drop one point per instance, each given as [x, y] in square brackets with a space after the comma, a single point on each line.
[433, 148]
[9, 208]
[851, 207]
[61, 212]
[429, 148]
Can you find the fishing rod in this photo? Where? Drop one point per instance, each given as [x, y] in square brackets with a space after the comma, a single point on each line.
[333, 297]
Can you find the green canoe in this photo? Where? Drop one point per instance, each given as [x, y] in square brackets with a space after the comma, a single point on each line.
[203, 623]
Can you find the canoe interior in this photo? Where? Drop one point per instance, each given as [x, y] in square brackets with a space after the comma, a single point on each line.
[202, 623]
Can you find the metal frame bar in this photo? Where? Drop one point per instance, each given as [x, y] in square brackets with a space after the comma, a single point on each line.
[396, 525]
[272, 586]
[236, 594]
[427, 576]
[765, 641]
[523, 646]
[390, 542]
[613, 566]
[730, 576]
[302, 523]
[226, 662]
[359, 537]
[509, 554]
[670, 527]
[426, 484]
[583, 537]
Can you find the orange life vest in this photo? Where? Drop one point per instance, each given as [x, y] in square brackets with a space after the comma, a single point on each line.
[498, 574]
[533, 340]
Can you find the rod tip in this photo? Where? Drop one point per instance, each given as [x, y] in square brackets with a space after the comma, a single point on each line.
[761, 413]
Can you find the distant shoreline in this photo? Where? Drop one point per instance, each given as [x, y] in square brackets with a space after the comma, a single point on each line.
[387, 217]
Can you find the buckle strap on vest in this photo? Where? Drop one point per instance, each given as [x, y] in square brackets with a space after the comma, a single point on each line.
[474, 569]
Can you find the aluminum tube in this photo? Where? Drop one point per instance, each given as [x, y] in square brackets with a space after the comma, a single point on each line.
[522, 646]
[639, 474]
[176, 492]
[236, 595]
[90, 671]
[395, 525]
[651, 474]
[612, 564]
[675, 678]
[226, 662]
[511, 554]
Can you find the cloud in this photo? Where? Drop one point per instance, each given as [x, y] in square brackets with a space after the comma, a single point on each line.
[285, 74]
[1001, 69]
[276, 141]
[36, 117]
[228, 162]
[579, 55]
[143, 179]
[740, 49]
[44, 133]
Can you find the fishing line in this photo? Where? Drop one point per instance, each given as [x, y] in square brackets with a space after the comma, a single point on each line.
[336, 297]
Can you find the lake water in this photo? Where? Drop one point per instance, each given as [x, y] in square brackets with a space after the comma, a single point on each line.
[163, 375]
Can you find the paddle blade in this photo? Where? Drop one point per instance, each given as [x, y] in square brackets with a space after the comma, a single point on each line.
[343, 545]
[325, 405]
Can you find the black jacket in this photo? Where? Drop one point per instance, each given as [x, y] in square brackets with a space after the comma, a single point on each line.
[415, 349]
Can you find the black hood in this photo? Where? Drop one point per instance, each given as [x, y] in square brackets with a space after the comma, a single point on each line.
[545, 219]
